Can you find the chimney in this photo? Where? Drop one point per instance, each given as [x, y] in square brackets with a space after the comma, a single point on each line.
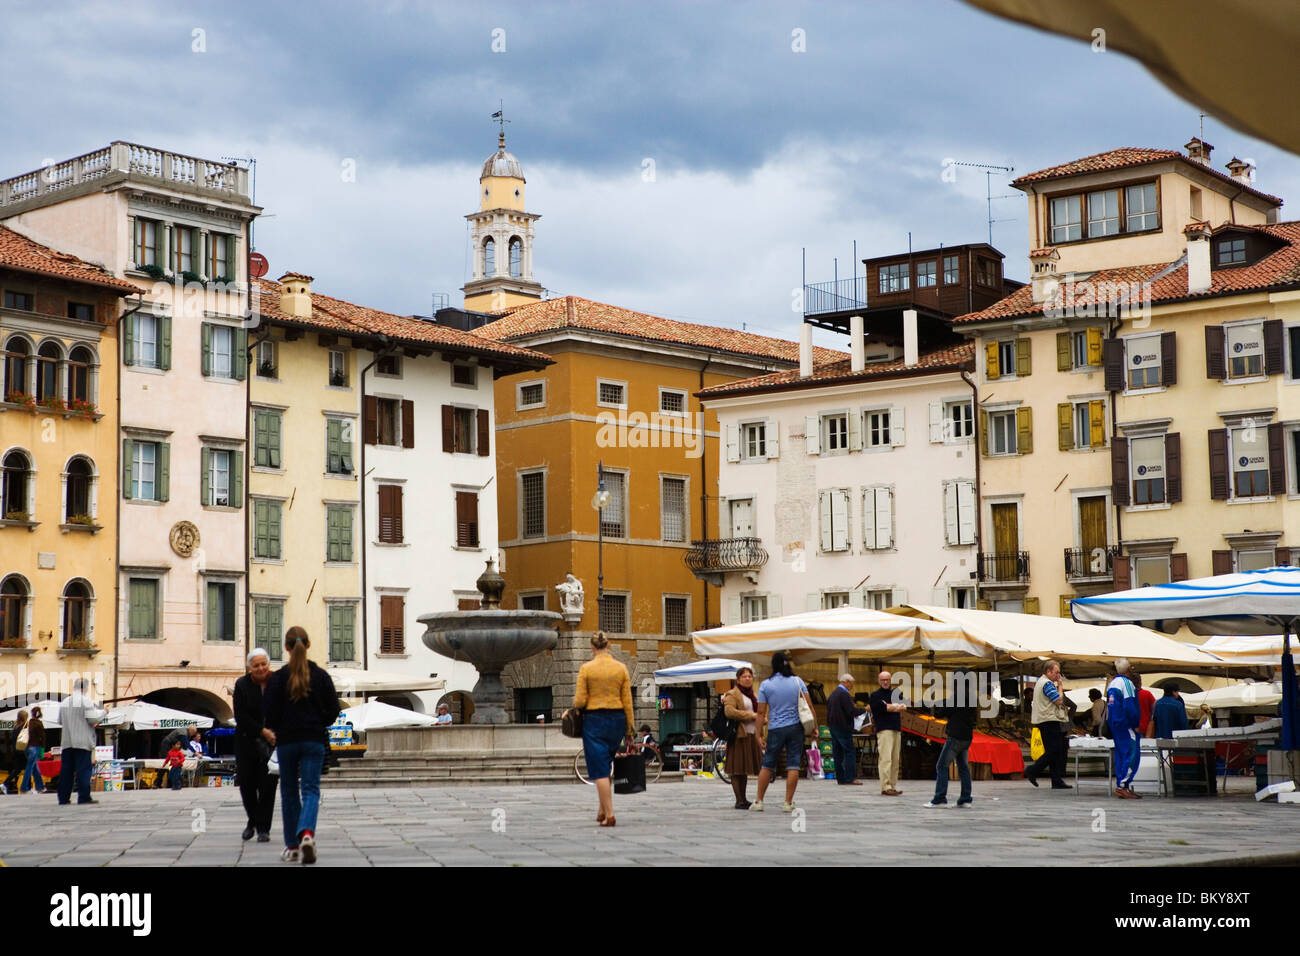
[1044, 280]
[857, 345]
[295, 295]
[1198, 257]
[1198, 150]
[1241, 171]
[911, 353]
[805, 350]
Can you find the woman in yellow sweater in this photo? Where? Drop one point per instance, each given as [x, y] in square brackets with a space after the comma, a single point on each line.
[604, 696]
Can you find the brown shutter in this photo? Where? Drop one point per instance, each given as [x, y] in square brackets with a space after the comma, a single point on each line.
[1122, 567]
[448, 429]
[1215, 366]
[466, 519]
[1178, 567]
[484, 446]
[398, 533]
[1220, 562]
[1219, 464]
[408, 423]
[1173, 468]
[392, 611]
[1112, 360]
[1273, 364]
[1168, 359]
[386, 513]
[370, 420]
[1276, 460]
[1119, 470]
[1282, 557]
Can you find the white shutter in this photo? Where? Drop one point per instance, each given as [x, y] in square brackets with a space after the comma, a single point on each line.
[939, 597]
[868, 518]
[896, 433]
[840, 519]
[774, 605]
[858, 597]
[773, 446]
[812, 434]
[825, 505]
[936, 423]
[951, 531]
[898, 596]
[733, 609]
[733, 443]
[724, 519]
[813, 602]
[966, 512]
[855, 430]
[884, 517]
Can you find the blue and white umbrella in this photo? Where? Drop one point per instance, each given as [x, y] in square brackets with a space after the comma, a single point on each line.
[715, 668]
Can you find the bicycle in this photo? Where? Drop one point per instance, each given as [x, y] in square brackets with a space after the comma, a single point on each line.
[654, 761]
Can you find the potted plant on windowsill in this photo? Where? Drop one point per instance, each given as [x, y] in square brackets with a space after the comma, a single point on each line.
[221, 280]
[266, 370]
[187, 277]
[155, 271]
[54, 404]
[24, 399]
[82, 647]
[22, 516]
[338, 380]
[84, 520]
[13, 644]
[82, 408]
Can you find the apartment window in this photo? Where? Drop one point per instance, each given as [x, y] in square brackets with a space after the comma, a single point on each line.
[611, 394]
[1007, 357]
[877, 432]
[14, 597]
[221, 611]
[1249, 456]
[390, 515]
[338, 528]
[147, 232]
[338, 368]
[81, 311]
[464, 375]
[467, 519]
[220, 265]
[754, 440]
[266, 359]
[390, 365]
[1067, 218]
[531, 395]
[1245, 345]
[268, 628]
[951, 270]
[925, 274]
[834, 507]
[961, 597]
[753, 608]
[1079, 351]
[145, 340]
[183, 238]
[960, 417]
[532, 602]
[18, 483]
[1103, 213]
[47, 372]
[338, 446]
[1140, 205]
[342, 636]
[219, 470]
[1081, 424]
[613, 613]
[672, 506]
[22, 301]
[142, 609]
[894, 278]
[15, 357]
[268, 517]
[675, 616]
[1002, 433]
[613, 520]
[1143, 360]
[959, 512]
[392, 624]
[144, 457]
[832, 599]
[266, 438]
[879, 598]
[1230, 252]
[533, 493]
[389, 421]
[220, 350]
[1151, 570]
[1254, 559]
[878, 518]
[80, 479]
[1293, 351]
[1147, 467]
[672, 401]
[835, 432]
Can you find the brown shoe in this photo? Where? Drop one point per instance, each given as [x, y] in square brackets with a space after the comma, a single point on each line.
[1134, 794]
[1123, 794]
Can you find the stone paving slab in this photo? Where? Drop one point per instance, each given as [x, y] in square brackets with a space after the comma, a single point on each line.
[670, 825]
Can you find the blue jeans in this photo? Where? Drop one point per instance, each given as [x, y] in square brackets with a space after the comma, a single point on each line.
[174, 775]
[846, 756]
[75, 763]
[32, 774]
[790, 738]
[300, 765]
[952, 750]
[602, 737]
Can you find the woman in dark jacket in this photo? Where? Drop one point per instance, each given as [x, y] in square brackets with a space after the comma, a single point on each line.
[300, 707]
[35, 751]
[18, 758]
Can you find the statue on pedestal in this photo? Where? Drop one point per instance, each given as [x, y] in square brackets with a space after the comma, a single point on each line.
[571, 599]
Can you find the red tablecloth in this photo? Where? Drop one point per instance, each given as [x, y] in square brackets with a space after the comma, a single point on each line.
[1004, 755]
[49, 768]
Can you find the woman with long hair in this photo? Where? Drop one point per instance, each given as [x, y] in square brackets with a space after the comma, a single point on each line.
[779, 728]
[301, 704]
[17, 758]
[35, 751]
[604, 695]
[743, 757]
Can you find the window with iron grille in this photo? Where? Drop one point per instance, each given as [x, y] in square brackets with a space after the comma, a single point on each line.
[673, 508]
[534, 496]
[613, 613]
[675, 615]
[672, 401]
[532, 395]
[533, 602]
[613, 522]
[611, 393]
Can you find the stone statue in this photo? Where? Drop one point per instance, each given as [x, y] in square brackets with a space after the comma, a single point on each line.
[571, 596]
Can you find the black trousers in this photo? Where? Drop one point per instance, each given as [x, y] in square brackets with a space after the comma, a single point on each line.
[256, 786]
[1053, 758]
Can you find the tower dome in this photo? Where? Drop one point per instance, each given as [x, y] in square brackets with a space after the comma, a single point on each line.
[502, 163]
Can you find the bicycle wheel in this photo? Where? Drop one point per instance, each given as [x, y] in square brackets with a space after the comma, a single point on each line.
[654, 763]
[720, 760]
[580, 768]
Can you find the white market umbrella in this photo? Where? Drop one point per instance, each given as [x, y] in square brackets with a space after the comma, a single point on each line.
[145, 716]
[354, 682]
[1261, 694]
[714, 668]
[377, 715]
[50, 715]
[1265, 650]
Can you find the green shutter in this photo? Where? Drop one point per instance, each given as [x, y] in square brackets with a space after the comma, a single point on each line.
[1064, 358]
[1022, 357]
[331, 534]
[345, 447]
[205, 476]
[333, 445]
[341, 637]
[162, 472]
[128, 340]
[273, 520]
[164, 333]
[207, 349]
[339, 538]
[128, 462]
[239, 360]
[236, 479]
[273, 424]
[260, 452]
[214, 612]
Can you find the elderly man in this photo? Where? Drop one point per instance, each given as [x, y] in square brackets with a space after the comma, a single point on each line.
[886, 705]
[840, 715]
[78, 717]
[1047, 715]
[253, 744]
[1124, 715]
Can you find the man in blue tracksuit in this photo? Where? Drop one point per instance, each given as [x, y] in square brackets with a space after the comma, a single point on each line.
[1124, 715]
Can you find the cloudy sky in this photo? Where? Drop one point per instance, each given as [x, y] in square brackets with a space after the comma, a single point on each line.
[681, 155]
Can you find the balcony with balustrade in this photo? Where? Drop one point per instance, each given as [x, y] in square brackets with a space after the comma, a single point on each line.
[713, 559]
[1005, 568]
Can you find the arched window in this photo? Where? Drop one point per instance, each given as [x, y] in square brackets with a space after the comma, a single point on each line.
[79, 363]
[47, 372]
[16, 354]
[516, 256]
[17, 482]
[76, 613]
[489, 256]
[80, 477]
[13, 611]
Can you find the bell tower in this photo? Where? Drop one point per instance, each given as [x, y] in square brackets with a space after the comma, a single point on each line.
[502, 236]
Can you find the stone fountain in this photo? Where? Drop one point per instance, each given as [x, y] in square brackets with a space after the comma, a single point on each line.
[490, 638]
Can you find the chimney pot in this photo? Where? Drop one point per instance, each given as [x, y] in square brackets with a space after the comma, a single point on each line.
[911, 348]
[1198, 257]
[857, 345]
[295, 295]
[1044, 279]
[1198, 150]
[1241, 171]
[805, 350]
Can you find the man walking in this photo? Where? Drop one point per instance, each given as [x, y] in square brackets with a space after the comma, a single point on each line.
[889, 734]
[1123, 713]
[253, 744]
[840, 716]
[78, 716]
[960, 709]
[1047, 715]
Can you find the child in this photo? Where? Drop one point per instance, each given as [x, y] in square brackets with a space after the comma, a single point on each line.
[174, 760]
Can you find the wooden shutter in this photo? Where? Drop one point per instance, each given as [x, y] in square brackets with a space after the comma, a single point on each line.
[484, 433]
[772, 438]
[1123, 571]
[812, 443]
[1282, 557]
[1119, 471]
[1112, 360]
[467, 519]
[1024, 431]
[214, 612]
[448, 429]
[1023, 366]
[260, 532]
[392, 611]
[163, 328]
[1219, 464]
[390, 514]
[951, 531]
[897, 426]
[128, 463]
[884, 517]
[1094, 346]
[370, 420]
[936, 423]
[854, 424]
[824, 508]
[1031, 605]
[273, 423]
[965, 512]
[1064, 426]
[1273, 361]
[1276, 460]
[236, 479]
[128, 340]
[1215, 365]
[1168, 359]
[1064, 358]
[1178, 567]
[840, 519]
[206, 361]
[1096, 423]
[1173, 468]
[205, 476]
[239, 360]
[408, 423]
[991, 367]
[1220, 562]
[982, 423]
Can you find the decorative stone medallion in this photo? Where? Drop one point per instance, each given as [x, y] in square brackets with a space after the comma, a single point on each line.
[184, 538]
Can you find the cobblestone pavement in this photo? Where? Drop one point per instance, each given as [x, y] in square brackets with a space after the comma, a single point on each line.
[677, 824]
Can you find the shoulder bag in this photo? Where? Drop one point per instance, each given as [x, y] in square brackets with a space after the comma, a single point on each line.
[806, 716]
[723, 726]
[20, 743]
[571, 722]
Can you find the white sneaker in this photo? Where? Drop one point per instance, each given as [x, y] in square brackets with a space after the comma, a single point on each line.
[3, 789]
[290, 854]
[932, 805]
[757, 806]
[787, 808]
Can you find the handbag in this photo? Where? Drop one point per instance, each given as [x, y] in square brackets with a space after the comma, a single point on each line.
[21, 742]
[571, 722]
[806, 716]
[629, 773]
[273, 763]
[723, 726]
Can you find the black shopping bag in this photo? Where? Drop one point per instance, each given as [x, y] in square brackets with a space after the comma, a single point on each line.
[629, 773]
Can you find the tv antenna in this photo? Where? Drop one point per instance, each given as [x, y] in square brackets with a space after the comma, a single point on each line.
[988, 190]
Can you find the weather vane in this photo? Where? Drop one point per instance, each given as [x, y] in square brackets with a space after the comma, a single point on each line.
[500, 117]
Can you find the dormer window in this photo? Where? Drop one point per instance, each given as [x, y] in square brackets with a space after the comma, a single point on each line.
[1230, 252]
[1110, 212]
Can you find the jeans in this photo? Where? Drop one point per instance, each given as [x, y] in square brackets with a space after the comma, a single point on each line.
[791, 739]
[1053, 757]
[957, 750]
[846, 756]
[76, 764]
[32, 773]
[300, 765]
[602, 737]
[174, 775]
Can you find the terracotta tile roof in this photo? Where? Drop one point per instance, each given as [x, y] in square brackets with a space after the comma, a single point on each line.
[573, 312]
[1124, 158]
[346, 318]
[954, 357]
[1168, 281]
[23, 254]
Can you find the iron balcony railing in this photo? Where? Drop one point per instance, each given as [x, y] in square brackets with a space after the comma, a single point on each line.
[1003, 567]
[718, 555]
[836, 296]
[1090, 563]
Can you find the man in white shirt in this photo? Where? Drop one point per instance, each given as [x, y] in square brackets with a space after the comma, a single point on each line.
[78, 716]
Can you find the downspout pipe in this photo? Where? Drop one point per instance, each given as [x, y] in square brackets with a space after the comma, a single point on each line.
[704, 486]
[117, 502]
[249, 371]
[385, 346]
[979, 510]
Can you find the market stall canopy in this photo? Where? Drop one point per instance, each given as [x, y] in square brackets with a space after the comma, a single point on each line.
[1243, 696]
[714, 668]
[1247, 649]
[862, 632]
[354, 682]
[49, 715]
[377, 715]
[145, 716]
